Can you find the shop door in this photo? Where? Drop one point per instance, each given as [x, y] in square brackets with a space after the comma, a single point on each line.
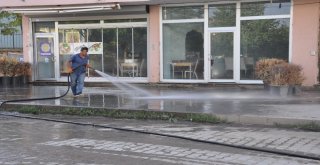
[221, 56]
[44, 57]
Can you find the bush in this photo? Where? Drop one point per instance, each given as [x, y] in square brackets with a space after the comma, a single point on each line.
[279, 72]
[286, 74]
[11, 67]
[26, 69]
[15, 68]
[263, 68]
[6, 66]
[295, 75]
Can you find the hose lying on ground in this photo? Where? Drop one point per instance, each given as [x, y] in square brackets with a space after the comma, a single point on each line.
[40, 98]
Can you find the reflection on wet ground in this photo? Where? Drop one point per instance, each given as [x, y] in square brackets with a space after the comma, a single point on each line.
[196, 100]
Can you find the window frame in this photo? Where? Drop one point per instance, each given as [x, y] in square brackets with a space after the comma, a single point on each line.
[207, 29]
[103, 25]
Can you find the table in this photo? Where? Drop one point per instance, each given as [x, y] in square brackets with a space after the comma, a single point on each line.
[181, 64]
[133, 65]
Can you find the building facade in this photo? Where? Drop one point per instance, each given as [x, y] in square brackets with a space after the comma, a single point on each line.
[158, 41]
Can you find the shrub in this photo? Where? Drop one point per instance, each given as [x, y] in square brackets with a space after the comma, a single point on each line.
[12, 66]
[279, 74]
[263, 68]
[286, 74]
[296, 75]
[26, 68]
[6, 66]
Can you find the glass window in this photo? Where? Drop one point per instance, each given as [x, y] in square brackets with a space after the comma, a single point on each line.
[183, 12]
[125, 20]
[221, 51]
[222, 15]
[277, 7]
[140, 50]
[262, 39]
[125, 52]
[44, 27]
[65, 50]
[70, 42]
[95, 50]
[110, 51]
[115, 51]
[79, 22]
[183, 51]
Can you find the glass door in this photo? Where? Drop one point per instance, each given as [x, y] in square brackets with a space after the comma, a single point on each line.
[44, 57]
[221, 50]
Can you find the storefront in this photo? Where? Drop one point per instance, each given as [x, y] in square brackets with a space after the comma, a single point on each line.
[222, 41]
[117, 46]
[170, 42]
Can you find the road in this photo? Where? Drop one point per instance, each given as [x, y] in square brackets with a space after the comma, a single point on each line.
[26, 141]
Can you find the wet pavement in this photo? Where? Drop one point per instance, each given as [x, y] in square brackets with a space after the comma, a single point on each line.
[25, 141]
[220, 101]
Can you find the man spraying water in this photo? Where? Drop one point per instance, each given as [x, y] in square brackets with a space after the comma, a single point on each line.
[77, 66]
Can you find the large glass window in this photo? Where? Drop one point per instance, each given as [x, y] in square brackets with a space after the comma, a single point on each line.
[125, 51]
[120, 52]
[275, 7]
[183, 50]
[183, 12]
[110, 51]
[140, 49]
[222, 15]
[95, 50]
[70, 42]
[264, 33]
[263, 39]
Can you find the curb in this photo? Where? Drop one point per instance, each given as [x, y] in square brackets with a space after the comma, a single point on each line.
[161, 115]
[266, 120]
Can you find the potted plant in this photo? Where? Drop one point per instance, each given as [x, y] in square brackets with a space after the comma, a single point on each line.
[279, 80]
[263, 69]
[14, 71]
[5, 65]
[25, 69]
[295, 78]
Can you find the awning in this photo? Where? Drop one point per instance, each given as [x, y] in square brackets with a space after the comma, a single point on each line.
[61, 9]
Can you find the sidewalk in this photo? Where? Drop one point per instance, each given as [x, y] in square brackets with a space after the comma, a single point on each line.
[233, 104]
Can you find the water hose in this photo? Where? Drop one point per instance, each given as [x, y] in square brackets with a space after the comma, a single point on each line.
[264, 150]
[44, 98]
[40, 98]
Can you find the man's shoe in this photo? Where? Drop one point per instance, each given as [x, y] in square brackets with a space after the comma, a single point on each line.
[78, 95]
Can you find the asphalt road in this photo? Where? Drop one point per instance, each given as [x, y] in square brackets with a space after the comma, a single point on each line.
[25, 141]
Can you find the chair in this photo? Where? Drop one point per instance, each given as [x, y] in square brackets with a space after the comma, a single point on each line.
[141, 67]
[193, 71]
[129, 67]
[176, 69]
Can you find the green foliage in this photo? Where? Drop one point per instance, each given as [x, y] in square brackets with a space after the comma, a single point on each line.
[265, 38]
[114, 113]
[9, 22]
